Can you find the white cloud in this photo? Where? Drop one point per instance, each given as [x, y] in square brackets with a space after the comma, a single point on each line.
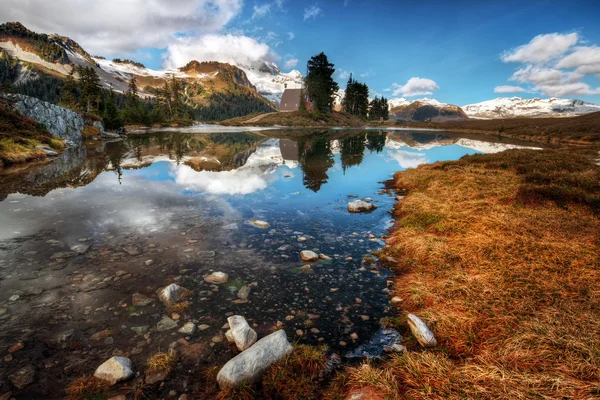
[291, 63]
[542, 48]
[407, 159]
[121, 27]
[261, 11]
[509, 89]
[414, 87]
[312, 12]
[239, 50]
[291, 35]
[343, 74]
[554, 65]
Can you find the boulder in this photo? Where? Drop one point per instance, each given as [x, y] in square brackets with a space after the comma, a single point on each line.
[216, 277]
[249, 365]
[171, 294]
[115, 369]
[240, 331]
[308, 256]
[358, 206]
[420, 331]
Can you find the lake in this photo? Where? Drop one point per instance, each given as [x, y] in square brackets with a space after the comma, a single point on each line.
[80, 235]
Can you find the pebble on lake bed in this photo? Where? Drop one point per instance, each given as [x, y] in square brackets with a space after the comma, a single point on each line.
[259, 224]
[308, 256]
[216, 277]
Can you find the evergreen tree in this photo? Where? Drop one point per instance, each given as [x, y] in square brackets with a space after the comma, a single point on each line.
[348, 101]
[356, 99]
[177, 107]
[111, 117]
[379, 109]
[320, 84]
[132, 112]
[67, 96]
[90, 89]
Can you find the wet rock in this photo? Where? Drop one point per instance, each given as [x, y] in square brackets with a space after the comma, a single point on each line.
[249, 365]
[216, 277]
[153, 377]
[203, 327]
[188, 329]
[259, 224]
[23, 377]
[139, 300]
[166, 324]
[244, 292]
[358, 206]
[80, 248]
[15, 347]
[420, 331]
[308, 256]
[193, 353]
[140, 330]
[324, 257]
[240, 331]
[101, 335]
[115, 369]
[302, 239]
[307, 269]
[149, 262]
[171, 294]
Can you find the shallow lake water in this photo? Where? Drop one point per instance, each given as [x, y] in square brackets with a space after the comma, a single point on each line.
[80, 235]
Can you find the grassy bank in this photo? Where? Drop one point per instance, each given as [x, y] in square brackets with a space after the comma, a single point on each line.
[584, 129]
[499, 254]
[296, 119]
[19, 136]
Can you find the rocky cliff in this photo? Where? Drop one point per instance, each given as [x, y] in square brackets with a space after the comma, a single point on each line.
[59, 121]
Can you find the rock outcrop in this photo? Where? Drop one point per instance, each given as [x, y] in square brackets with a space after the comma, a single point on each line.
[59, 121]
[249, 365]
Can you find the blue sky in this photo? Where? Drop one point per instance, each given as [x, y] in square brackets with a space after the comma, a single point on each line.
[462, 51]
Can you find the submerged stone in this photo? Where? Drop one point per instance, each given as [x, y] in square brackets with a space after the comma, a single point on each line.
[358, 206]
[216, 277]
[115, 369]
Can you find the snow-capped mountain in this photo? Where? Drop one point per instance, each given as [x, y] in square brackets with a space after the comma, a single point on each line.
[270, 82]
[510, 107]
[401, 101]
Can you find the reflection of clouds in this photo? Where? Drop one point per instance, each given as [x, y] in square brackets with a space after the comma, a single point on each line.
[406, 159]
[488, 147]
[256, 174]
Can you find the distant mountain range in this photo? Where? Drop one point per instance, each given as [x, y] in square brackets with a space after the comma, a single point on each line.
[511, 107]
[425, 110]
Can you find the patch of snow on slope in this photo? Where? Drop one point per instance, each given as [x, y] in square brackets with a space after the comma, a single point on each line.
[507, 107]
[490, 148]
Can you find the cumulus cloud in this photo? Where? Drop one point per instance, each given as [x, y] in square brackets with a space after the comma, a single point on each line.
[554, 65]
[509, 89]
[414, 87]
[121, 27]
[239, 50]
[312, 12]
[542, 48]
[343, 74]
[290, 63]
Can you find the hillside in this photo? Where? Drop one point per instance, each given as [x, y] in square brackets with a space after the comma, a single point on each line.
[514, 107]
[576, 130]
[212, 90]
[422, 111]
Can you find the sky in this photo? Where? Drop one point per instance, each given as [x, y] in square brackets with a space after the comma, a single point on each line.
[458, 52]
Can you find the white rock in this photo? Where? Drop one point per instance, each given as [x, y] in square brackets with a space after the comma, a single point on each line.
[216, 277]
[249, 365]
[188, 329]
[259, 224]
[420, 331]
[115, 370]
[242, 334]
[309, 256]
[171, 294]
[358, 206]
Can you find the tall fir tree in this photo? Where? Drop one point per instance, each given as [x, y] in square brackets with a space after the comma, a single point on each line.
[91, 91]
[131, 112]
[110, 115]
[67, 95]
[320, 84]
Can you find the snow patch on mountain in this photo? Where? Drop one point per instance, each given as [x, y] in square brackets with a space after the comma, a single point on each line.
[401, 101]
[510, 107]
[271, 82]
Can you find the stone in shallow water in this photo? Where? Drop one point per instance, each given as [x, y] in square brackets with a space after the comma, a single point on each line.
[63, 254]
[244, 292]
[216, 277]
[259, 224]
[249, 365]
[23, 377]
[188, 329]
[140, 330]
[166, 324]
[132, 250]
[115, 369]
[139, 300]
[240, 332]
[358, 206]
[80, 248]
[382, 339]
[171, 294]
[308, 256]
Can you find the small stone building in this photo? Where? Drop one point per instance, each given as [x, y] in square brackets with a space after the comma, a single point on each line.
[290, 101]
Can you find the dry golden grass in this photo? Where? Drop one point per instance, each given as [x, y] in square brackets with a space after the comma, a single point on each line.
[87, 388]
[179, 308]
[90, 131]
[509, 282]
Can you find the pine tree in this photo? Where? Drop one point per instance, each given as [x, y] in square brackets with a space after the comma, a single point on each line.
[177, 99]
[132, 112]
[320, 84]
[90, 89]
[67, 96]
[356, 99]
[111, 117]
[348, 101]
